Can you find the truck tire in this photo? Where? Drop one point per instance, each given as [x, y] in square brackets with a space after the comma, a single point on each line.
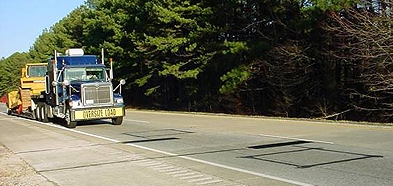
[68, 122]
[117, 121]
[38, 113]
[34, 114]
[71, 124]
[9, 111]
[43, 113]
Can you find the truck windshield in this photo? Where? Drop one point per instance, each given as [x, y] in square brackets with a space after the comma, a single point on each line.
[36, 71]
[85, 74]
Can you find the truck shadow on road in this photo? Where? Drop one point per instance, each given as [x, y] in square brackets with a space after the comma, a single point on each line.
[94, 122]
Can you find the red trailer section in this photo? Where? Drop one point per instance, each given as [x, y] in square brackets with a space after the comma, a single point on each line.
[4, 98]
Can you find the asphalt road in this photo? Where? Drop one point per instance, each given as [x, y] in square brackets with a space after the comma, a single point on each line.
[162, 148]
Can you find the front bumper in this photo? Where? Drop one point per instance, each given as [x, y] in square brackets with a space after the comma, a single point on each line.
[83, 114]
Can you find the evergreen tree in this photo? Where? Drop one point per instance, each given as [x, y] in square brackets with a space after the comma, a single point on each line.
[10, 71]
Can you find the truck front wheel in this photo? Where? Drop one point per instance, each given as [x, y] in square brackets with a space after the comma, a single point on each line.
[68, 122]
[71, 124]
[117, 121]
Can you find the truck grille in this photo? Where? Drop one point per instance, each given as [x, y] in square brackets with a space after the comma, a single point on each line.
[97, 94]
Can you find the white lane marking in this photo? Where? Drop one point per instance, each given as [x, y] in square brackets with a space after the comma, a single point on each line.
[150, 164]
[170, 170]
[143, 161]
[193, 176]
[247, 171]
[209, 182]
[201, 179]
[299, 139]
[160, 166]
[185, 174]
[177, 155]
[167, 167]
[138, 121]
[177, 172]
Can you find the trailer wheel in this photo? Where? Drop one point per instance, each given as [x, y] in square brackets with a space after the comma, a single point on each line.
[117, 121]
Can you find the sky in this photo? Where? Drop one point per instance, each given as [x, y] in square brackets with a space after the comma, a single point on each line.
[23, 21]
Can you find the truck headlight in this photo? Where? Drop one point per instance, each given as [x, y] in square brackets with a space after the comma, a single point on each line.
[119, 100]
[70, 103]
[74, 103]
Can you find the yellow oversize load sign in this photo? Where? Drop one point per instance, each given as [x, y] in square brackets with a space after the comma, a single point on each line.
[98, 113]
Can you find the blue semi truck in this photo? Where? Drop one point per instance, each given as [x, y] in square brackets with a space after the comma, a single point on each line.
[79, 87]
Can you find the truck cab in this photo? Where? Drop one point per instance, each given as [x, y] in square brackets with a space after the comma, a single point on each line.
[32, 77]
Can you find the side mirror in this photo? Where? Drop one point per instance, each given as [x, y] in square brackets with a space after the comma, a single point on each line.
[122, 82]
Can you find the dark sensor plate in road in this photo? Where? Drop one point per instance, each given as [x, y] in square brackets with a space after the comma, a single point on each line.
[150, 140]
[282, 144]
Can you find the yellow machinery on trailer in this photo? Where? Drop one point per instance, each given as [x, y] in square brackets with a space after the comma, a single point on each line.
[32, 84]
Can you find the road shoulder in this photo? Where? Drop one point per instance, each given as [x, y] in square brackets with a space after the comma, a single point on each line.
[15, 171]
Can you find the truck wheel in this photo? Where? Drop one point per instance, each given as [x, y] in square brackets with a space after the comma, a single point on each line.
[34, 115]
[71, 124]
[38, 112]
[9, 111]
[68, 122]
[117, 121]
[42, 113]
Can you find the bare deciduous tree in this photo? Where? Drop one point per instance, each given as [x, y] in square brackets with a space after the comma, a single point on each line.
[287, 74]
[364, 46]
